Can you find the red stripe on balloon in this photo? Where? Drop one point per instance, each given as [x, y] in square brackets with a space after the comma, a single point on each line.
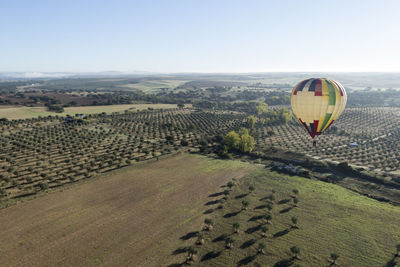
[315, 125]
[318, 88]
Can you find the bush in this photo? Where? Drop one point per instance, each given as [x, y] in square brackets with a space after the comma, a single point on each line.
[43, 185]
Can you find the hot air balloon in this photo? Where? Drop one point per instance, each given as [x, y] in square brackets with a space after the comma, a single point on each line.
[317, 103]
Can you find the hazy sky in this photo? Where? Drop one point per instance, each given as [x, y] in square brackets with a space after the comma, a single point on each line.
[200, 36]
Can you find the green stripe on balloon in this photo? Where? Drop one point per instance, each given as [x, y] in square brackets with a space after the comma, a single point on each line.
[332, 94]
[327, 117]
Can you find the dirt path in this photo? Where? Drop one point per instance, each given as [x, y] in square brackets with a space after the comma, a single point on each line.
[134, 217]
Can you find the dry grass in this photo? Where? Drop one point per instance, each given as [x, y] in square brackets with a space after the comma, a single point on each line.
[132, 217]
[12, 113]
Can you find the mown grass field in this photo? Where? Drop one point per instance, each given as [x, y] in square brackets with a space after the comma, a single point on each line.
[134, 216]
[12, 113]
[331, 219]
[154, 85]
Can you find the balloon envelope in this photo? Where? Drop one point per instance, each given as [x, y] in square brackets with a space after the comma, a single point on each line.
[317, 103]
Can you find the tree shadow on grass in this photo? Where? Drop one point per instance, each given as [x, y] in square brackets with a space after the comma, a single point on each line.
[213, 202]
[251, 230]
[284, 263]
[175, 265]
[286, 210]
[211, 255]
[248, 243]
[241, 196]
[179, 251]
[216, 194]
[255, 218]
[284, 201]
[281, 233]
[392, 262]
[263, 206]
[189, 235]
[232, 214]
[209, 211]
[246, 260]
[220, 238]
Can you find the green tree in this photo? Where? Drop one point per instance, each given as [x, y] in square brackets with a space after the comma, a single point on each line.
[334, 257]
[261, 247]
[235, 227]
[285, 115]
[268, 218]
[226, 193]
[269, 206]
[246, 142]
[262, 108]
[243, 141]
[245, 204]
[251, 188]
[229, 242]
[209, 224]
[264, 230]
[232, 140]
[251, 121]
[43, 185]
[296, 251]
[200, 238]
[271, 197]
[191, 251]
[294, 221]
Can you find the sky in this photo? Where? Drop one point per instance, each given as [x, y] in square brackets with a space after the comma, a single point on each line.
[200, 36]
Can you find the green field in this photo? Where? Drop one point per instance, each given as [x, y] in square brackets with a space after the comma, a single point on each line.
[33, 112]
[331, 219]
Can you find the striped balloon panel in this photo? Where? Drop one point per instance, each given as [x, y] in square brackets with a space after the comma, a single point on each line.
[317, 103]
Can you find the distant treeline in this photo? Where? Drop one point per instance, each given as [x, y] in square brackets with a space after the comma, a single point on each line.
[389, 98]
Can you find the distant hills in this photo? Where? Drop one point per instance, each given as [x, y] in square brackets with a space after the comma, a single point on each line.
[46, 75]
[351, 80]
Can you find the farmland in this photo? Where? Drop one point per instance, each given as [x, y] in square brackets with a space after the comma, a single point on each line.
[155, 165]
[132, 217]
[375, 130]
[148, 215]
[48, 152]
